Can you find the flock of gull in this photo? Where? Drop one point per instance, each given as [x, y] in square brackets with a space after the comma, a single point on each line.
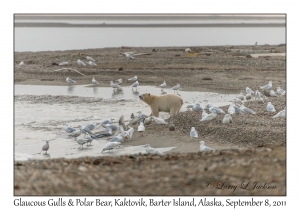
[124, 132]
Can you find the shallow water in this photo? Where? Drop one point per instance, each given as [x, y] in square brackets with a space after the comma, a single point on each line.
[127, 93]
[37, 122]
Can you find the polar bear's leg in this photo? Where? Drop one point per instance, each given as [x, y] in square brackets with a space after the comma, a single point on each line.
[155, 112]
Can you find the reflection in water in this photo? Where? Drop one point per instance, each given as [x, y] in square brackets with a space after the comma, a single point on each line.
[163, 93]
[70, 89]
[137, 93]
[95, 89]
[117, 93]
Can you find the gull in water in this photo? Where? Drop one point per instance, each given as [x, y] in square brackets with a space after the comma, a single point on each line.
[115, 86]
[91, 63]
[80, 63]
[171, 126]
[280, 114]
[141, 128]
[85, 130]
[273, 93]
[81, 142]
[119, 81]
[135, 85]
[151, 150]
[89, 58]
[249, 91]
[241, 96]
[217, 109]
[117, 138]
[70, 80]
[267, 87]
[133, 79]
[110, 146]
[107, 121]
[193, 133]
[75, 133]
[210, 116]
[246, 110]
[94, 81]
[45, 147]
[204, 148]
[127, 55]
[63, 63]
[280, 91]
[21, 64]
[91, 126]
[176, 88]
[270, 107]
[88, 139]
[69, 129]
[159, 121]
[227, 119]
[163, 85]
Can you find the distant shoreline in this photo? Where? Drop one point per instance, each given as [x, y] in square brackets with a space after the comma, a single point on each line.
[103, 25]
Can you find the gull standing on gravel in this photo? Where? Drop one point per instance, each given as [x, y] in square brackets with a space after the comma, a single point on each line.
[249, 91]
[236, 109]
[176, 88]
[195, 107]
[280, 114]
[80, 63]
[147, 121]
[237, 100]
[128, 133]
[70, 80]
[260, 100]
[241, 96]
[217, 109]
[193, 133]
[133, 79]
[267, 87]
[110, 146]
[135, 85]
[258, 94]
[270, 107]
[89, 58]
[91, 63]
[158, 120]
[141, 115]
[141, 128]
[246, 110]
[227, 119]
[63, 63]
[45, 147]
[163, 85]
[151, 150]
[204, 148]
[248, 97]
[273, 93]
[94, 81]
[112, 126]
[204, 113]
[127, 55]
[21, 64]
[280, 91]
[69, 129]
[206, 103]
[210, 116]
[231, 109]
[91, 126]
[80, 141]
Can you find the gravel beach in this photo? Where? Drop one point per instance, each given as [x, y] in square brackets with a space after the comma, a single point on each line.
[251, 149]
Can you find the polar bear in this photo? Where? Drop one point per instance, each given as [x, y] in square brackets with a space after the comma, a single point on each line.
[170, 103]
